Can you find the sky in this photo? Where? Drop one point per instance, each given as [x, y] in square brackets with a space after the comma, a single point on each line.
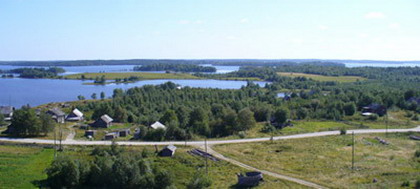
[209, 29]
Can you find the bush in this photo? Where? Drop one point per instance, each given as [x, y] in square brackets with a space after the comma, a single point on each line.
[343, 131]
[405, 184]
[417, 154]
[199, 181]
[242, 134]
[373, 117]
[417, 185]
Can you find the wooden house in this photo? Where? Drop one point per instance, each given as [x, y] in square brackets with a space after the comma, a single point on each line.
[374, 109]
[104, 121]
[57, 114]
[7, 112]
[90, 133]
[111, 136]
[158, 125]
[75, 115]
[124, 132]
[168, 151]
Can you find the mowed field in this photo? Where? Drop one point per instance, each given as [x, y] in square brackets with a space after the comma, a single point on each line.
[316, 77]
[23, 167]
[327, 160]
[141, 75]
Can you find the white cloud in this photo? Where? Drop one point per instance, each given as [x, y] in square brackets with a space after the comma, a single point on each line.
[363, 35]
[198, 22]
[231, 37]
[322, 27]
[244, 20]
[375, 15]
[394, 26]
[184, 22]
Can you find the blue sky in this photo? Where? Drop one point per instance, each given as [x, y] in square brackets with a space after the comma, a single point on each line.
[198, 29]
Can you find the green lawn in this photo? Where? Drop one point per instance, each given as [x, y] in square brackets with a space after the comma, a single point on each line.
[22, 167]
[141, 75]
[327, 160]
[342, 79]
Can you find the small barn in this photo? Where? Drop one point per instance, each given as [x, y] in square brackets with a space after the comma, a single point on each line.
[250, 179]
[57, 114]
[374, 109]
[158, 125]
[111, 136]
[104, 121]
[168, 151]
[90, 133]
[75, 115]
[7, 112]
[124, 132]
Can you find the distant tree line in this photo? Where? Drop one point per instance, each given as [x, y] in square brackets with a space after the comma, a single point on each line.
[175, 68]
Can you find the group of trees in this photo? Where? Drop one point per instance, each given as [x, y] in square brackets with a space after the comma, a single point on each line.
[38, 72]
[25, 122]
[108, 168]
[175, 68]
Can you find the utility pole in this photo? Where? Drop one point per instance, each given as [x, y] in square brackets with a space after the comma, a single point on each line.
[55, 143]
[205, 146]
[352, 153]
[386, 131]
[61, 138]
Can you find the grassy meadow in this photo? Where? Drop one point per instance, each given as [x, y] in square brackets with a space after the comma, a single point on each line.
[342, 79]
[327, 160]
[23, 167]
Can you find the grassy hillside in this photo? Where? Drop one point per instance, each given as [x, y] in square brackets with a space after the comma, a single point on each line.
[23, 167]
[342, 79]
[327, 160]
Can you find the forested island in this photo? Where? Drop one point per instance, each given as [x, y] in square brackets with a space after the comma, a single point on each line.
[175, 68]
[51, 72]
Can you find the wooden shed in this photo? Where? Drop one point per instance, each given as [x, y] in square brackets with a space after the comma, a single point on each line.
[57, 114]
[158, 125]
[7, 112]
[168, 151]
[124, 132]
[111, 136]
[75, 115]
[90, 133]
[104, 121]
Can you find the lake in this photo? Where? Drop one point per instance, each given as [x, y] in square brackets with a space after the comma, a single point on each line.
[18, 91]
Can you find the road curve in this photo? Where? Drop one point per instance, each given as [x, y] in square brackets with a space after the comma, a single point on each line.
[210, 142]
[276, 175]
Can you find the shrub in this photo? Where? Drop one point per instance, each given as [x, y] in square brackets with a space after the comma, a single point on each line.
[373, 117]
[417, 154]
[343, 131]
[405, 184]
[242, 134]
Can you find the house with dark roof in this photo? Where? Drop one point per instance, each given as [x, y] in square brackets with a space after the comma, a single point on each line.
[104, 121]
[374, 109]
[7, 112]
[168, 151]
[57, 114]
[75, 115]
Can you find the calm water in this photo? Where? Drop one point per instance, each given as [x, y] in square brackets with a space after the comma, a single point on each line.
[18, 92]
